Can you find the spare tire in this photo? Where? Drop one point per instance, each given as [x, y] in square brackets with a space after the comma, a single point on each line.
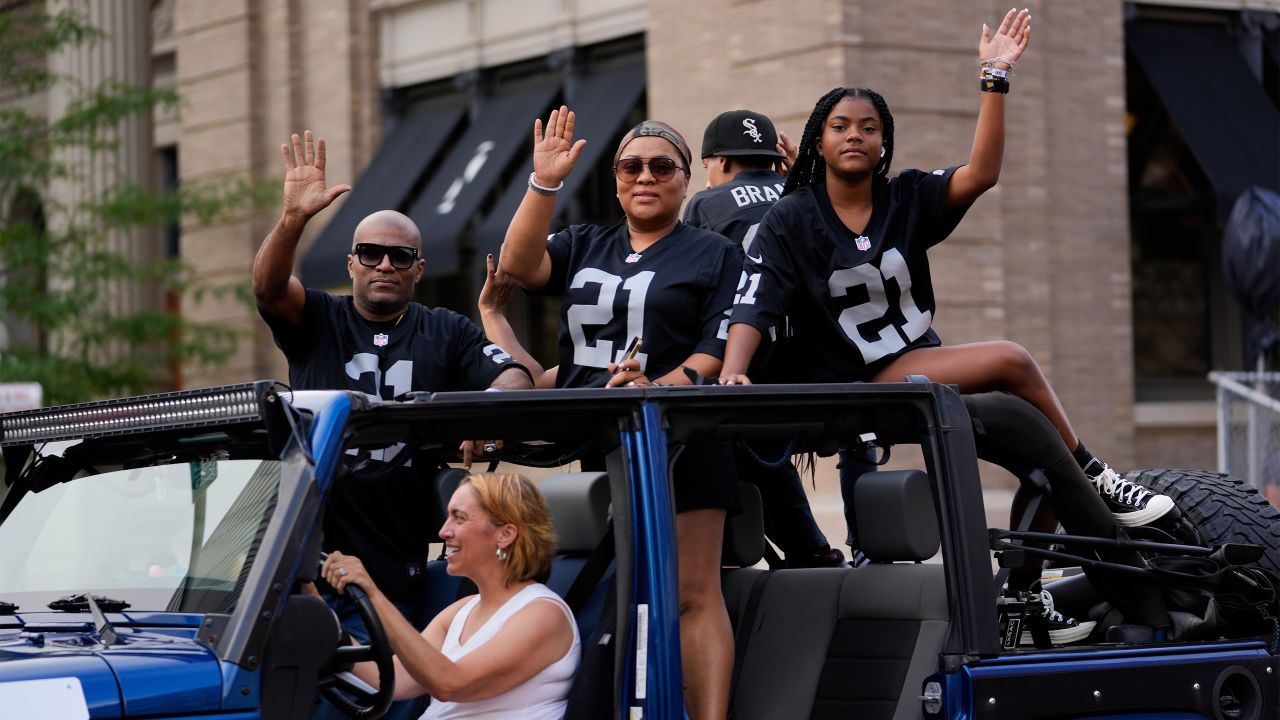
[1222, 508]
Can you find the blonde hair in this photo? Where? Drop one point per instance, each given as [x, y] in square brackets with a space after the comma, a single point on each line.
[513, 499]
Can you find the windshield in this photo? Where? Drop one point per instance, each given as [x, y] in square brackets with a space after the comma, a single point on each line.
[179, 536]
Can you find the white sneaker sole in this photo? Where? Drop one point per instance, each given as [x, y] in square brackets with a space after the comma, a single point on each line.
[1156, 507]
[1064, 636]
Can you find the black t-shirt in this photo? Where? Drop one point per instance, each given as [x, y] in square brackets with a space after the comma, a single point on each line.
[676, 295]
[429, 349]
[735, 209]
[857, 301]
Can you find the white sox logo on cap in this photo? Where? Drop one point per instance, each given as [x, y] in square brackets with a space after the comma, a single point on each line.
[751, 130]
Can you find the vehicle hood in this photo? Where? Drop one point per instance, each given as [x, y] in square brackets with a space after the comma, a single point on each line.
[146, 672]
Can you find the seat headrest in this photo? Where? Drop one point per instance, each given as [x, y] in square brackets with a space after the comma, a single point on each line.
[579, 504]
[896, 516]
[744, 532]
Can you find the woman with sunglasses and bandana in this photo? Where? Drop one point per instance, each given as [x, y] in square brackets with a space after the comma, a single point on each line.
[670, 284]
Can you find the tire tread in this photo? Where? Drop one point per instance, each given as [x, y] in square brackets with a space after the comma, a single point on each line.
[1225, 509]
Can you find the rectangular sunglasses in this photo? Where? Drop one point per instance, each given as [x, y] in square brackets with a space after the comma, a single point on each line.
[371, 254]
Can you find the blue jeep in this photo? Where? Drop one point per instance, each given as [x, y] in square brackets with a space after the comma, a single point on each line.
[151, 551]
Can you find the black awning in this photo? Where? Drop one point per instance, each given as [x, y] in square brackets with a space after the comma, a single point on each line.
[601, 103]
[502, 126]
[385, 185]
[1221, 109]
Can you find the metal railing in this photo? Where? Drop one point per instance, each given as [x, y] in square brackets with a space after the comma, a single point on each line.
[1249, 426]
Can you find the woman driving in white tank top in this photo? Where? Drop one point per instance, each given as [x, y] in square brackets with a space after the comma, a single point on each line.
[509, 651]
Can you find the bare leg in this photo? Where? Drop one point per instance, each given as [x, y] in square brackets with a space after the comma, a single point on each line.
[984, 366]
[706, 637]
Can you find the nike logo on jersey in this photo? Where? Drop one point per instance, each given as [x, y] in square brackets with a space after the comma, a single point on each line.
[756, 259]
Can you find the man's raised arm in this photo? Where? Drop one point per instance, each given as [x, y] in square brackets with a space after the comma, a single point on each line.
[277, 291]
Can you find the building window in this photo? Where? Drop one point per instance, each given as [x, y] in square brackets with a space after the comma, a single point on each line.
[1186, 167]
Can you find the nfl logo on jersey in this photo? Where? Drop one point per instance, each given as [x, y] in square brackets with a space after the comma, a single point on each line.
[863, 242]
[380, 340]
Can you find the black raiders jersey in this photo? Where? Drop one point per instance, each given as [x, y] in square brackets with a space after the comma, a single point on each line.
[856, 300]
[735, 208]
[676, 296]
[428, 349]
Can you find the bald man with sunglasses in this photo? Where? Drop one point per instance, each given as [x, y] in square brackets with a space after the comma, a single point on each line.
[379, 342]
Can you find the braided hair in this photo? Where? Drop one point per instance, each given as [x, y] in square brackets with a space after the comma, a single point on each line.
[809, 167]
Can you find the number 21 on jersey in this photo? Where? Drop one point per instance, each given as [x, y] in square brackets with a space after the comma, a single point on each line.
[892, 337]
[602, 352]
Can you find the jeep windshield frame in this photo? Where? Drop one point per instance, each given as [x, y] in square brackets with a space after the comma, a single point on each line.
[251, 420]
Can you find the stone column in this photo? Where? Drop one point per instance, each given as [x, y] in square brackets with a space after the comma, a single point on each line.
[123, 55]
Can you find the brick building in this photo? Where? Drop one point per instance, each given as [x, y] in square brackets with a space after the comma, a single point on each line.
[1097, 251]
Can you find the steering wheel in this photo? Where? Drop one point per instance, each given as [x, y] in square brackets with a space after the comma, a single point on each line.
[350, 694]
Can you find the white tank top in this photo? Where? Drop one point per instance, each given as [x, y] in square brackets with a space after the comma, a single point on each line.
[542, 697]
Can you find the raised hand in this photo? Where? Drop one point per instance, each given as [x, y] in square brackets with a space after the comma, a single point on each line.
[788, 148]
[305, 192]
[1009, 40]
[554, 151]
[497, 288]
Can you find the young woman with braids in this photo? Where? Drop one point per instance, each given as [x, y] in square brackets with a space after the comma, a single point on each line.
[843, 255]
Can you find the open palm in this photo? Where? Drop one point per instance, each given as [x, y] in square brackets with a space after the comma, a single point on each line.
[1009, 40]
[554, 151]
[305, 190]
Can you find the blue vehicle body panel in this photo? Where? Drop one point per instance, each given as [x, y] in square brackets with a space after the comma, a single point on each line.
[21, 660]
[158, 675]
[146, 673]
[1096, 675]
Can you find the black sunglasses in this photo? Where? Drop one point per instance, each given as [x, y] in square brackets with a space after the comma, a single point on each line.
[661, 168]
[371, 254]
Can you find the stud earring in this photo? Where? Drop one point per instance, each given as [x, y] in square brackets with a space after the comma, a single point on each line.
[881, 151]
[502, 554]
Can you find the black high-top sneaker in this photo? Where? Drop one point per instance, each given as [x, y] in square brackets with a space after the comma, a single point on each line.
[1131, 503]
[1062, 629]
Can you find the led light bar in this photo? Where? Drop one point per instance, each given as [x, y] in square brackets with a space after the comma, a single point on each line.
[166, 411]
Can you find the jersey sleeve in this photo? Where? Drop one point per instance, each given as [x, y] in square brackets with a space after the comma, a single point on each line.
[297, 341]
[930, 189]
[560, 248]
[479, 361]
[717, 306]
[767, 283]
[693, 213]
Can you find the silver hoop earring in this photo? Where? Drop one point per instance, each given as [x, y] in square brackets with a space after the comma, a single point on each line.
[881, 151]
[502, 554]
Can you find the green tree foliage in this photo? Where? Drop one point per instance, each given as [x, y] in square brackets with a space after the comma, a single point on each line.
[57, 274]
